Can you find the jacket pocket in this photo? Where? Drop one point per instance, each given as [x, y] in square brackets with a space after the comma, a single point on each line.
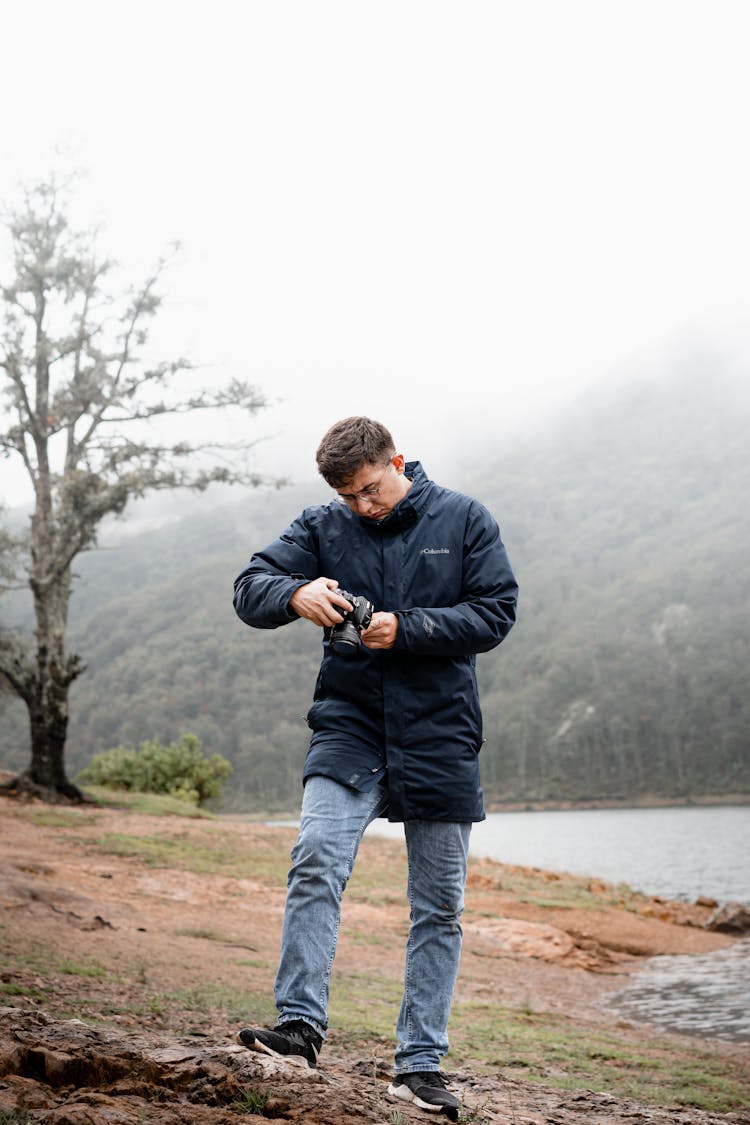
[312, 716]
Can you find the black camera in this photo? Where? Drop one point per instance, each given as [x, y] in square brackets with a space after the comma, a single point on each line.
[345, 636]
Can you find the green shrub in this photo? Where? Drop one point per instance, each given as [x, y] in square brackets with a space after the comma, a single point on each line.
[180, 769]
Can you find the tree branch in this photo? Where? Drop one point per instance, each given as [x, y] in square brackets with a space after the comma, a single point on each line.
[17, 665]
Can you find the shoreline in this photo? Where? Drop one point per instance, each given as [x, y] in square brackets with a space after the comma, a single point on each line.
[650, 802]
[722, 800]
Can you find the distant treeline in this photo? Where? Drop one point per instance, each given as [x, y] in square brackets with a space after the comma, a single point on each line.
[627, 672]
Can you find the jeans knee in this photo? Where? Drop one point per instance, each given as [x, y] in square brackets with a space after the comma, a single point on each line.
[315, 859]
[443, 916]
[449, 918]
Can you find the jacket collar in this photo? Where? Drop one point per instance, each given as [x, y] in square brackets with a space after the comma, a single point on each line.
[408, 509]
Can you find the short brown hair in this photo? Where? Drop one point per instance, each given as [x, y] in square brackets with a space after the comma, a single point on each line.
[348, 445]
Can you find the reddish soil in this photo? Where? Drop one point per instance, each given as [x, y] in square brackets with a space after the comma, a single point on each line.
[125, 945]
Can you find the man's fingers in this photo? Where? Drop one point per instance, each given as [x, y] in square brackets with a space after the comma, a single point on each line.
[320, 602]
[333, 616]
[381, 632]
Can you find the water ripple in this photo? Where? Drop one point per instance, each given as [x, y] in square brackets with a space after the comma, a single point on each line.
[706, 994]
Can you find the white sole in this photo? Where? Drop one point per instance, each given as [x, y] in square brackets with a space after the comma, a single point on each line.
[407, 1095]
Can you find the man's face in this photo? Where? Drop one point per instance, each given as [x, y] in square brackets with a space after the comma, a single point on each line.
[375, 490]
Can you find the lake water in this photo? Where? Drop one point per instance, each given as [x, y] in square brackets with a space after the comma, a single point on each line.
[677, 853]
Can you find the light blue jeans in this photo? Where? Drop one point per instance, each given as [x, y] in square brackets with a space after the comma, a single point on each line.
[333, 822]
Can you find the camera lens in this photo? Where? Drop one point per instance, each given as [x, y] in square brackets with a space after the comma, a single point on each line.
[345, 637]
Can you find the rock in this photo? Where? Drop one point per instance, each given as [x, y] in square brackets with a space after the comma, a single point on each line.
[731, 918]
[597, 887]
[81, 1075]
[531, 939]
[546, 943]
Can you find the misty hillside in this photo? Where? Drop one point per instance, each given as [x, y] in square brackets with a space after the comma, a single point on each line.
[625, 676]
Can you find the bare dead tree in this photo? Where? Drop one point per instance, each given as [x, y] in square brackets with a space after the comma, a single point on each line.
[80, 403]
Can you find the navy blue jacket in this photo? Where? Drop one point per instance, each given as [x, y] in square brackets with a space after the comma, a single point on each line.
[410, 713]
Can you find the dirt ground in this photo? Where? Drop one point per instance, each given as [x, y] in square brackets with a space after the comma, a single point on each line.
[125, 980]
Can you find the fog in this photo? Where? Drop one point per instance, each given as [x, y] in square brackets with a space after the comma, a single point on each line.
[461, 219]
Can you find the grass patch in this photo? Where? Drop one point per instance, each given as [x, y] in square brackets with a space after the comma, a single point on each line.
[553, 890]
[61, 818]
[92, 970]
[29, 992]
[43, 962]
[556, 1051]
[211, 852]
[364, 1005]
[214, 935]
[379, 876]
[13, 988]
[366, 937]
[251, 1101]
[152, 804]
[240, 1007]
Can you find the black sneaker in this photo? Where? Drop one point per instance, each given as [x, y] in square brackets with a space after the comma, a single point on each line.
[427, 1089]
[295, 1037]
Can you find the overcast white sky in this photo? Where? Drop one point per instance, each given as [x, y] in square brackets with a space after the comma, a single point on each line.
[452, 216]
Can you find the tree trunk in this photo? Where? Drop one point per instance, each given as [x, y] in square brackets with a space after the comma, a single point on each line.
[48, 716]
[45, 775]
[48, 706]
[46, 689]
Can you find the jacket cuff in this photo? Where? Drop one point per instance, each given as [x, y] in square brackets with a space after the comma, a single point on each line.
[290, 588]
[401, 643]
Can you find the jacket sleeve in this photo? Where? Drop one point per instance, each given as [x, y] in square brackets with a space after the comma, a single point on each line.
[263, 589]
[487, 609]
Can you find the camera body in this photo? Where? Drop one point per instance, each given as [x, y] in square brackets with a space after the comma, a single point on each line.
[345, 636]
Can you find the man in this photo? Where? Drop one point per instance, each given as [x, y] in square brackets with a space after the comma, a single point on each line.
[396, 725]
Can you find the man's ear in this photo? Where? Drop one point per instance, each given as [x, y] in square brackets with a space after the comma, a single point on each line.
[399, 462]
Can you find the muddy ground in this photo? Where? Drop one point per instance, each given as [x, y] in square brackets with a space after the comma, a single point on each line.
[133, 947]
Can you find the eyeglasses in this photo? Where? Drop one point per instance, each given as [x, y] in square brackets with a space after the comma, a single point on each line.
[369, 492]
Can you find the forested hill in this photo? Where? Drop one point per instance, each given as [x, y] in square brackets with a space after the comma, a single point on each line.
[627, 672]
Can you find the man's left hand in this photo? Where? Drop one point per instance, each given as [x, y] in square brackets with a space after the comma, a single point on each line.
[381, 632]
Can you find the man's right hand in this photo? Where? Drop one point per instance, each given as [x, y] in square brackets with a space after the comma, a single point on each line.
[318, 602]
